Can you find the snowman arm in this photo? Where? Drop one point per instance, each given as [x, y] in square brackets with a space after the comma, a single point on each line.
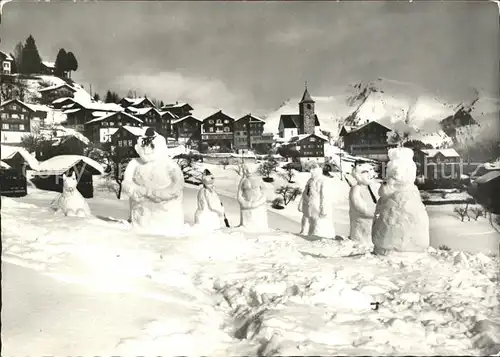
[128, 184]
[358, 203]
[201, 199]
[216, 208]
[172, 191]
[241, 200]
[299, 207]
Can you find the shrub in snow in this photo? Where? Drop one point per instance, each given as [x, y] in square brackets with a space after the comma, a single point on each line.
[267, 168]
[462, 211]
[444, 247]
[288, 174]
[278, 203]
[477, 212]
[401, 222]
[288, 193]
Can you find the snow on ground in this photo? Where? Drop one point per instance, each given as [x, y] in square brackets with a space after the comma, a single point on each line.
[269, 294]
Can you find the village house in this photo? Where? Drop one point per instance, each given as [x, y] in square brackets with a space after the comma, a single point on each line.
[179, 109]
[124, 140]
[306, 122]
[99, 130]
[48, 67]
[78, 113]
[437, 164]
[19, 119]
[187, 131]
[142, 102]
[249, 134]
[7, 63]
[52, 93]
[308, 146]
[152, 117]
[217, 131]
[368, 140]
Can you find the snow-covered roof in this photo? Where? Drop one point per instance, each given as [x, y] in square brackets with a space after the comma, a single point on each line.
[114, 113]
[62, 163]
[303, 136]
[444, 152]
[60, 100]
[175, 121]
[8, 152]
[252, 117]
[69, 111]
[492, 175]
[39, 107]
[7, 56]
[49, 64]
[176, 105]
[142, 111]
[136, 101]
[4, 165]
[134, 130]
[57, 87]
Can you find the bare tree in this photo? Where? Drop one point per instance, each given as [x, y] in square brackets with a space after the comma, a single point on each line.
[288, 193]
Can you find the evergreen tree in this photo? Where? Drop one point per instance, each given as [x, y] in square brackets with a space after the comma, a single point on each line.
[31, 61]
[97, 97]
[13, 68]
[109, 97]
[72, 63]
[61, 63]
[18, 55]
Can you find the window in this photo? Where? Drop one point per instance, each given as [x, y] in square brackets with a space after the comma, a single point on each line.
[226, 121]
[21, 126]
[218, 122]
[111, 123]
[4, 115]
[312, 139]
[14, 126]
[226, 129]
[210, 121]
[120, 143]
[14, 116]
[130, 143]
[119, 123]
[211, 130]
[14, 107]
[5, 126]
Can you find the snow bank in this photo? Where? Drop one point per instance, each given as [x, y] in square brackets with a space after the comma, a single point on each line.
[275, 293]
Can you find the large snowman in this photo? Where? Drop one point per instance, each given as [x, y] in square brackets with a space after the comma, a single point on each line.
[401, 222]
[154, 184]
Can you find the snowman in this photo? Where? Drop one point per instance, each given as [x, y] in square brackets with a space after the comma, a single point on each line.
[154, 184]
[401, 222]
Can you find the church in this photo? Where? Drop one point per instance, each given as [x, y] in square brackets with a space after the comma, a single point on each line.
[304, 123]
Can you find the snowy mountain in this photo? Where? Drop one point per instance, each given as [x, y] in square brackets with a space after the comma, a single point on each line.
[401, 106]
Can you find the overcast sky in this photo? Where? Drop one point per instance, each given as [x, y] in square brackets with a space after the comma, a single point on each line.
[255, 55]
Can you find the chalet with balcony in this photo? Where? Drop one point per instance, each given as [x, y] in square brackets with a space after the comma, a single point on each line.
[187, 130]
[308, 146]
[306, 122]
[19, 119]
[7, 63]
[179, 109]
[52, 93]
[79, 113]
[161, 122]
[99, 130]
[438, 164]
[249, 133]
[124, 139]
[368, 140]
[217, 131]
[143, 102]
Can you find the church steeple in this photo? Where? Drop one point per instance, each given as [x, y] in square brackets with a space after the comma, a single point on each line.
[306, 113]
[306, 97]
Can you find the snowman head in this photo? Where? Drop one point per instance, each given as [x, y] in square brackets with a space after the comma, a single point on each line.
[363, 173]
[401, 167]
[151, 146]
[208, 179]
[315, 169]
[69, 181]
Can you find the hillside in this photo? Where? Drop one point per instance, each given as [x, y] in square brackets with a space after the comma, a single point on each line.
[403, 107]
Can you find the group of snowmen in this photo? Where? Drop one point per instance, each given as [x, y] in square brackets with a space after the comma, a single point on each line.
[396, 222]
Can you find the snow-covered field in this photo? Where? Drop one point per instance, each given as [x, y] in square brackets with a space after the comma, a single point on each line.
[235, 293]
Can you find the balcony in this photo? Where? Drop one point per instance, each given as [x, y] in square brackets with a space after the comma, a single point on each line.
[217, 136]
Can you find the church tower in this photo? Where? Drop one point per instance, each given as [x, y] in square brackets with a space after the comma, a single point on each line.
[307, 114]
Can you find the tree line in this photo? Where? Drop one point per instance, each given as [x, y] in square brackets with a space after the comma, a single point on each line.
[27, 59]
